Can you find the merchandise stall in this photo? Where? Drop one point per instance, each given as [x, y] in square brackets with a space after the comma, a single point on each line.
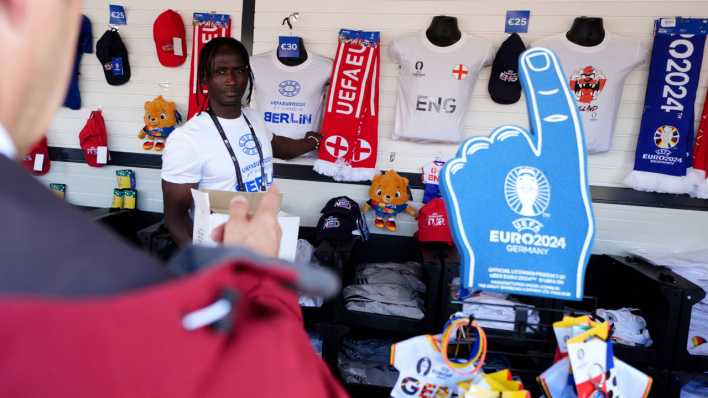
[506, 191]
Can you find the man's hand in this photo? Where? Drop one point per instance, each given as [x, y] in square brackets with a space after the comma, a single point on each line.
[259, 231]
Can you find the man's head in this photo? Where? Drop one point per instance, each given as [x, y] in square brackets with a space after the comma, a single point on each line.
[38, 42]
[225, 71]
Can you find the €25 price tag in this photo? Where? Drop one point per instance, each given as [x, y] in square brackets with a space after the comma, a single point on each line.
[517, 21]
[116, 15]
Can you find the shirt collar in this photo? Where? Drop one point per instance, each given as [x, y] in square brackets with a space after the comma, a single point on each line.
[7, 147]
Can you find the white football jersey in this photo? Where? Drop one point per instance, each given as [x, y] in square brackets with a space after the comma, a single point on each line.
[422, 370]
[595, 76]
[435, 85]
[290, 97]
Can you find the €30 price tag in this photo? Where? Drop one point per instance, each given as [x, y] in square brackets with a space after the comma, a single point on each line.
[288, 47]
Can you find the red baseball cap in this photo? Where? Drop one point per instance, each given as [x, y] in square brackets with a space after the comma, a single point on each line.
[31, 159]
[433, 225]
[170, 38]
[92, 138]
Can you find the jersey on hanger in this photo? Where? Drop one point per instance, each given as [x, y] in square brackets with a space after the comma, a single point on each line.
[423, 373]
[290, 97]
[596, 78]
[435, 85]
[431, 180]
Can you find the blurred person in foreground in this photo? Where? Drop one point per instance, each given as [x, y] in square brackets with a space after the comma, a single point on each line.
[83, 314]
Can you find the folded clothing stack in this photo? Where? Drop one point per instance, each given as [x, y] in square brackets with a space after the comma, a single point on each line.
[387, 289]
[496, 311]
[366, 361]
[694, 267]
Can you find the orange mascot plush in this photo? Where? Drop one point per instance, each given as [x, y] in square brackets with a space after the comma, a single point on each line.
[160, 118]
[389, 195]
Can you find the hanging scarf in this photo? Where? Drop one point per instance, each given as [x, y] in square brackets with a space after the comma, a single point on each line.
[699, 172]
[663, 153]
[350, 126]
[206, 27]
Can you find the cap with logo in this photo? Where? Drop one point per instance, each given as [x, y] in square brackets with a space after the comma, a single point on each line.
[170, 39]
[93, 139]
[504, 85]
[346, 210]
[336, 227]
[113, 55]
[433, 223]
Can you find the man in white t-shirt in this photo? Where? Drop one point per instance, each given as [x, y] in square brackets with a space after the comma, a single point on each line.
[435, 85]
[223, 147]
[290, 97]
[596, 76]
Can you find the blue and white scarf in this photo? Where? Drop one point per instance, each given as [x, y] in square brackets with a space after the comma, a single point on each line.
[665, 142]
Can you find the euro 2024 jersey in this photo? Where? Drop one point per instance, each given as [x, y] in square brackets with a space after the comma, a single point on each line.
[596, 78]
[435, 85]
[290, 97]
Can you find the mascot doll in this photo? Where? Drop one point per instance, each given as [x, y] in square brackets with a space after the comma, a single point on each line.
[160, 118]
[389, 195]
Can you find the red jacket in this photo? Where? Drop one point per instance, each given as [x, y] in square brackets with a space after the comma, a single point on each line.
[133, 345]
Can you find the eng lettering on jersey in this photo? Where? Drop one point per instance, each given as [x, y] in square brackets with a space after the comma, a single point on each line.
[352, 68]
[435, 104]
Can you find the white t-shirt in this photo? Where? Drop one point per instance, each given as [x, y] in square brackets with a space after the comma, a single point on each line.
[195, 153]
[422, 371]
[289, 98]
[596, 78]
[435, 85]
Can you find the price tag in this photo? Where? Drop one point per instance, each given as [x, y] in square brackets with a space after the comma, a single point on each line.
[517, 21]
[177, 46]
[288, 47]
[116, 15]
[38, 162]
[117, 66]
[102, 155]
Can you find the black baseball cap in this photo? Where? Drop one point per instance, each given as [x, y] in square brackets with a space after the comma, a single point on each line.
[336, 227]
[113, 55]
[342, 205]
[504, 85]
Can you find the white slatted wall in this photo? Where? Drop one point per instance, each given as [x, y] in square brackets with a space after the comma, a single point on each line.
[619, 227]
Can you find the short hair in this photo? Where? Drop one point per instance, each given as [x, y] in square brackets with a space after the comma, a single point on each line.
[206, 63]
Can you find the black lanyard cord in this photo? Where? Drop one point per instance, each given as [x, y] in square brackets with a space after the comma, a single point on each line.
[239, 177]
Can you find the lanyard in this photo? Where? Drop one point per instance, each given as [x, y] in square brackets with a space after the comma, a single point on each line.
[239, 177]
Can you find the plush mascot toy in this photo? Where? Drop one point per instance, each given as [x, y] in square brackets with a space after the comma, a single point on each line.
[389, 195]
[161, 117]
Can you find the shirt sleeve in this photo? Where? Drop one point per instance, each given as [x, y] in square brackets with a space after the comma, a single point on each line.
[394, 52]
[181, 163]
[490, 55]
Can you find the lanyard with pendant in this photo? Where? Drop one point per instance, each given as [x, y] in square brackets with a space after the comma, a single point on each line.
[239, 177]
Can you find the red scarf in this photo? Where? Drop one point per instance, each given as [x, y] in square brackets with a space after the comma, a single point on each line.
[350, 126]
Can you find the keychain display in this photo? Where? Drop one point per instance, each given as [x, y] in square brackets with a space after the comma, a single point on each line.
[588, 367]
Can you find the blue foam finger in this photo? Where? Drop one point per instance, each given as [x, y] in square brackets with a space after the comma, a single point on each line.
[519, 202]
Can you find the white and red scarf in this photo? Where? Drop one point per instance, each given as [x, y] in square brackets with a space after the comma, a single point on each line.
[349, 144]
[206, 27]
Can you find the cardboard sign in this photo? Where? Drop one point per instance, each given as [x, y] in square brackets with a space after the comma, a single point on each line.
[211, 209]
[519, 202]
[517, 21]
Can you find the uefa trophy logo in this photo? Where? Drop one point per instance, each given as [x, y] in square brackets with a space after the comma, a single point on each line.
[527, 191]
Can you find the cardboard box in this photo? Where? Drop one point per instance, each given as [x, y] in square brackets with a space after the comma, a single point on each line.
[211, 209]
